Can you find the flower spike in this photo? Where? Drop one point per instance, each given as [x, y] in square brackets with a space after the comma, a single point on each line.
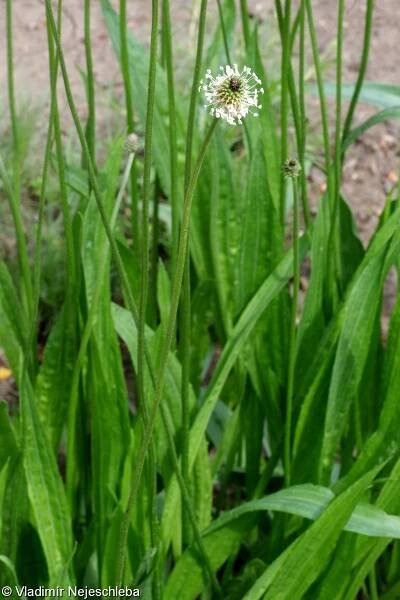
[232, 94]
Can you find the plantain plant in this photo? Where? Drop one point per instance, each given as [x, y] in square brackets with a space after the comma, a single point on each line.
[213, 411]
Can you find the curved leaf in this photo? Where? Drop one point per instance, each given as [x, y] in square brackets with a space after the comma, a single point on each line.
[306, 501]
[384, 115]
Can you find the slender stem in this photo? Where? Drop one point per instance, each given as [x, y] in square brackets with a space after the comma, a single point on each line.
[42, 199]
[166, 344]
[285, 68]
[169, 63]
[144, 254]
[14, 188]
[10, 80]
[193, 94]
[144, 269]
[185, 309]
[292, 338]
[223, 30]
[69, 240]
[185, 319]
[332, 287]
[303, 117]
[154, 522]
[322, 99]
[334, 236]
[339, 60]
[362, 69]
[125, 64]
[132, 305]
[91, 121]
[126, 75]
[299, 117]
[155, 238]
[269, 469]
[230, 62]
[295, 27]
[244, 11]
[373, 587]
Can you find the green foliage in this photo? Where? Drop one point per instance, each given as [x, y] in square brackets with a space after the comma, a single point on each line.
[264, 462]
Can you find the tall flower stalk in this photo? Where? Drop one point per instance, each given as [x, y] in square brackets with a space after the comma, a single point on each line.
[13, 188]
[285, 70]
[291, 171]
[297, 100]
[370, 4]
[126, 76]
[132, 307]
[329, 166]
[170, 326]
[185, 301]
[169, 64]
[334, 234]
[143, 294]
[91, 120]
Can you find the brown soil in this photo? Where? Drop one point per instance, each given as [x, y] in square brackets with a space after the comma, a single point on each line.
[372, 165]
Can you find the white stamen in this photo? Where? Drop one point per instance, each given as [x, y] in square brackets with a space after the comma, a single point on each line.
[232, 100]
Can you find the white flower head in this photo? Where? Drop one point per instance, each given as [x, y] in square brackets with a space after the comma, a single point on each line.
[232, 94]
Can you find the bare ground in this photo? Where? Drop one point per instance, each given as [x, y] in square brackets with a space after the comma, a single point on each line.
[372, 165]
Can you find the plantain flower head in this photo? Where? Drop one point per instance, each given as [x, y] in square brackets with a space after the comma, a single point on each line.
[291, 168]
[232, 94]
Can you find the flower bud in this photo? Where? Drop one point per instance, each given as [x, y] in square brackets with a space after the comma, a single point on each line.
[132, 143]
[291, 168]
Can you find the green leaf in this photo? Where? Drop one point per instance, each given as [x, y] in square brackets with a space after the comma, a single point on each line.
[241, 332]
[261, 240]
[382, 95]
[11, 570]
[187, 579]
[369, 550]
[267, 116]
[126, 329]
[77, 180]
[45, 489]
[109, 431]
[139, 61]
[307, 501]
[8, 443]
[310, 501]
[380, 117]
[13, 323]
[52, 389]
[336, 577]
[314, 318]
[224, 230]
[359, 318]
[306, 558]
[14, 506]
[235, 344]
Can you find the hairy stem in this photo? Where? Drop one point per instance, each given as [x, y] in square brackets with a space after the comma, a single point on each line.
[132, 305]
[126, 76]
[292, 336]
[91, 120]
[362, 69]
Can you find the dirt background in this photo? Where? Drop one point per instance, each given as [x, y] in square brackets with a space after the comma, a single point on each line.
[373, 163]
